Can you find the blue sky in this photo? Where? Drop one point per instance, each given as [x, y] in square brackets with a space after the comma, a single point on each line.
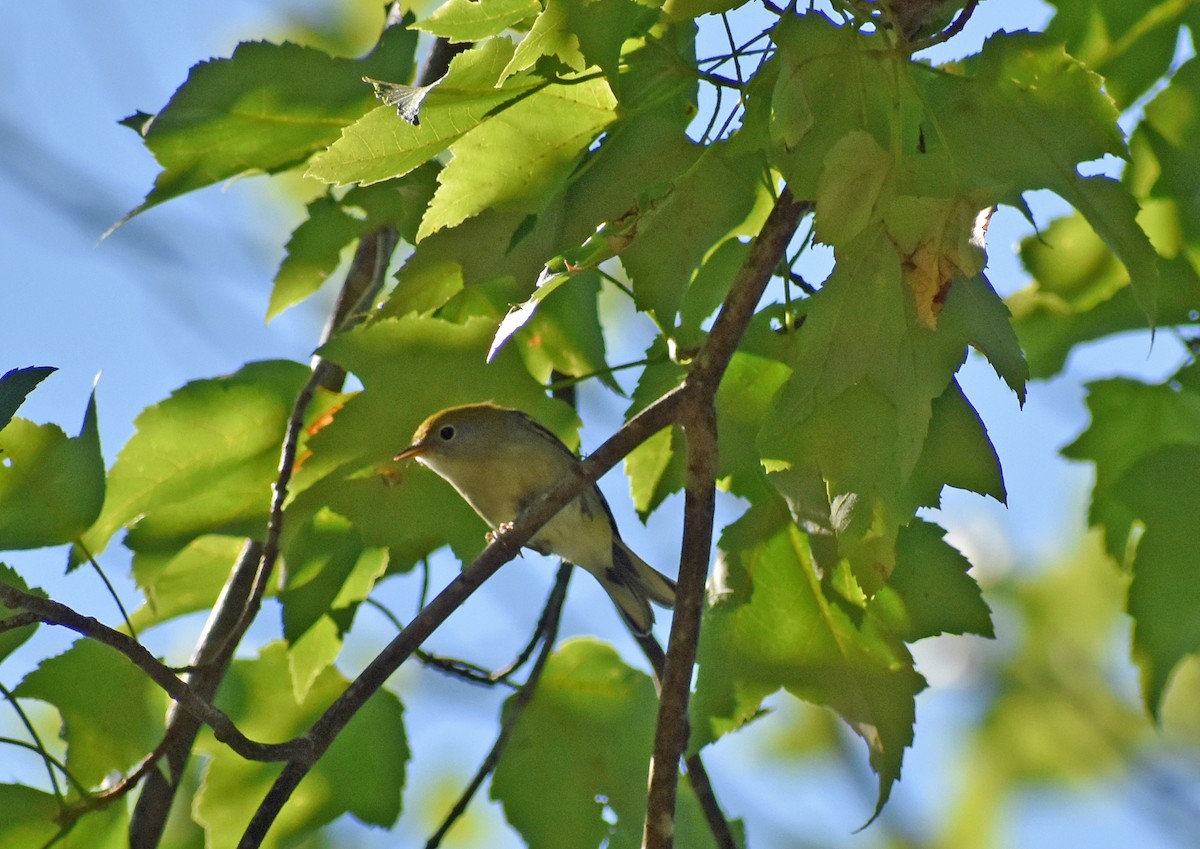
[180, 294]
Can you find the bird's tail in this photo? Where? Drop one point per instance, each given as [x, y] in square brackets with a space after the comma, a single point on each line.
[632, 583]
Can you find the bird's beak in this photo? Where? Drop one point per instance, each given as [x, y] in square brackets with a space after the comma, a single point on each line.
[411, 451]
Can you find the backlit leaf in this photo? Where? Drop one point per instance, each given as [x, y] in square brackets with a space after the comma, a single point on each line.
[51, 485]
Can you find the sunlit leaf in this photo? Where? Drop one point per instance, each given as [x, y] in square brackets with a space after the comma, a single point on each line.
[51, 485]
[381, 145]
[520, 157]
[112, 713]
[470, 20]
[202, 461]
[581, 33]
[268, 107]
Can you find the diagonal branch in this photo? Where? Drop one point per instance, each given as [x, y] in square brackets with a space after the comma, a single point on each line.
[55, 613]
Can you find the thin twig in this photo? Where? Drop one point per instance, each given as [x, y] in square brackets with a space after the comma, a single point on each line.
[548, 631]
[112, 591]
[37, 744]
[956, 26]
[456, 667]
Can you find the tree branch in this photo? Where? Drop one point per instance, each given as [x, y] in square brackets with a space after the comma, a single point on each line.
[697, 774]
[698, 416]
[208, 665]
[671, 731]
[55, 613]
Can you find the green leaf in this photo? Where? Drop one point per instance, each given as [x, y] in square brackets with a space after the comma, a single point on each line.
[329, 571]
[582, 33]
[646, 145]
[1162, 489]
[590, 708]
[1131, 45]
[718, 196]
[852, 188]
[202, 461]
[15, 386]
[31, 818]
[1130, 420]
[521, 156]
[1051, 109]
[11, 640]
[266, 108]
[681, 10]
[1169, 131]
[185, 581]
[1054, 315]
[51, 485]
[772, 626]
[472, 20]
[957, 453]
[381, 145]
[930, 592]
[708, 289]
[656, 467]
[565, 335]
[744, 401]
[313, 251]
[112, 713]
[315, 248]
[107, 828]
[584, 741]
[362, 773]
[988, 325]
[833, 72]
[852, 420]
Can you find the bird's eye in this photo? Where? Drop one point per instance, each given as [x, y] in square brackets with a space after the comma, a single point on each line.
[446, 433]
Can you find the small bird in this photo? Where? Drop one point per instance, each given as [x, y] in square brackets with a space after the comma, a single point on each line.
[500, 460]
